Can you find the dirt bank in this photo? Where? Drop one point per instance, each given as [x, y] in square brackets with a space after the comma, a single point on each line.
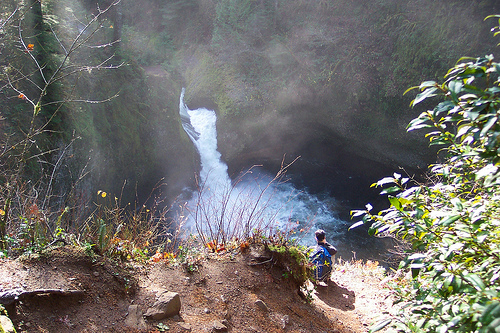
[220, 290]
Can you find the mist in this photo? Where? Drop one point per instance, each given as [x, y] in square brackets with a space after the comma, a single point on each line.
[319, 80]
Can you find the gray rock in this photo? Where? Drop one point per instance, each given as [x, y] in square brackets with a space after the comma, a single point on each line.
[259, 253]
[261, 305]
[285, 321]
[134, 318]
[6, 325]
[280, 320]
[167, 305]
[218, 326]
[185, 326]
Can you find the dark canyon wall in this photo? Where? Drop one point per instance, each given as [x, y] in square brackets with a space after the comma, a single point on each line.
[315, 78]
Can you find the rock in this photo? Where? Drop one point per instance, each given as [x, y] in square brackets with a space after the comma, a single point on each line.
[259, 253]
[134, 318]
[218, 326]
[10, 296]
[226, 314]
[167, 305]
[261, 305]
[185, 326]
[285, 321]
[281, 321]
[6, 325]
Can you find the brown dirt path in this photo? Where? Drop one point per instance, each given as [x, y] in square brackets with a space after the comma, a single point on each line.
[223, 289]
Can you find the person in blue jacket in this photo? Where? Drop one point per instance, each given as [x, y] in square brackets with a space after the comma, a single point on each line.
[321, 257]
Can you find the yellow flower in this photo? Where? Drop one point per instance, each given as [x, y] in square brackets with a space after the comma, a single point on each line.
[2, 212]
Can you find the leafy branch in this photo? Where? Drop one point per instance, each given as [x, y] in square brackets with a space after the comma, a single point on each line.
[452, 222]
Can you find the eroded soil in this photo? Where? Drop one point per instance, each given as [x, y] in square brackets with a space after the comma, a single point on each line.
[222, 289]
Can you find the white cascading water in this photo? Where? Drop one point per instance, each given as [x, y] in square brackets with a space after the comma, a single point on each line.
[251, 202]
[200, 126]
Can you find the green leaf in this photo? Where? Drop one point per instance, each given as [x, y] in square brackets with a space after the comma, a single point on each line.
[457, 204]
[417, 256]
[491, 312]
[449, 220]
[489, 124]
[462, 130]
[395, 203]
[487, 170]
[427, 84]
[415, 270]
[494, 327]
[475, 281]
[356, 213]
[357, 224]
[468, 96]
[386, 180]
[455, 87]
[491, 16]
[427, 93]
[445, 106]
[380, 325]
[410, 89]
[37, 108]
[389, 190]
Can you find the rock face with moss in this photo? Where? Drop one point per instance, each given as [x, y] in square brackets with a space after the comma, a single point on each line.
[319, 79]
[313, 78]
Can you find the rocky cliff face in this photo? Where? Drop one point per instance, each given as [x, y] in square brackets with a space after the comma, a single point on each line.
[323, 80]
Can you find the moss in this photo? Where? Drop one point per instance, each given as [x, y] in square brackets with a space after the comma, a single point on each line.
[293, 262]
[215, 80]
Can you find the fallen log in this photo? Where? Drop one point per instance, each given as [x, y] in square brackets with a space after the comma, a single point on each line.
[9, 297]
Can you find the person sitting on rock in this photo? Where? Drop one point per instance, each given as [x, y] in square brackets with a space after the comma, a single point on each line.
[322, 257]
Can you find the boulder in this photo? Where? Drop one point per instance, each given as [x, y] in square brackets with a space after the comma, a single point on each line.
[6, 325]
[167, 305]
[134, 318]
[261, 305]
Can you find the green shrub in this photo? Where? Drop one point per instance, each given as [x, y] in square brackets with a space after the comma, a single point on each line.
[452, 221]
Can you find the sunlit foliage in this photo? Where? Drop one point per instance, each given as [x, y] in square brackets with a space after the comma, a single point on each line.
[452, 221]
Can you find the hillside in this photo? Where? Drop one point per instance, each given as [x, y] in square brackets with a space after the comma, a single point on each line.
[318, 79]
[219, 295]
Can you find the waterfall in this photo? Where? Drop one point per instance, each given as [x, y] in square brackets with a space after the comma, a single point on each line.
[199, 124]
[251, 202]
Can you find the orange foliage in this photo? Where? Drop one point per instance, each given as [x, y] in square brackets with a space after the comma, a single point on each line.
[214, 247]
[244, 246]
[157, 257]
